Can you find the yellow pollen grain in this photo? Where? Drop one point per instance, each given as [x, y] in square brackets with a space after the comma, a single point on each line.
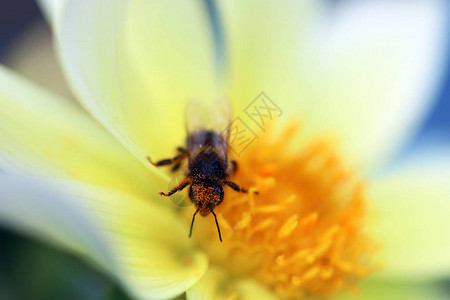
[309, 221]
[280, 260]
[310, 258]
[290, 199]
[296, 281]
[224, 223]
[311, 273]
[288, 226]
[245, 220]
[270, 208]
[304, 234]
[326, 273]
[263, 225]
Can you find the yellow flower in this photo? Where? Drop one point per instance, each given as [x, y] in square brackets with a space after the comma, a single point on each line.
[360, 78]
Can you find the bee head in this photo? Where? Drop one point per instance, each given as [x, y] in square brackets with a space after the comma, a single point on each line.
[205, 196]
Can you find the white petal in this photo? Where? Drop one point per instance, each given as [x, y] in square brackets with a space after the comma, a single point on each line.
[395, 290]
[365, 73]
[217, 284]
[46, 135]
[52, 9]
[154, 256]
[135, 64]
[270, 46]
[413, 208]
[39, 209]
[382, 64]
[141, 244]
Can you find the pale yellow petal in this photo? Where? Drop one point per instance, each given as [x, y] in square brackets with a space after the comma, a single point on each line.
[134, 65]
[362, 71]
[40, 209]
[379, 69]
[217, 284]
[412, 209]
[395, 290]
[153, 254]
[46, 135]
[270, 45]
[142, 244]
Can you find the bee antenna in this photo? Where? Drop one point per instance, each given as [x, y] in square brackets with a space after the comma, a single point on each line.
[192, 223]
[217, 223]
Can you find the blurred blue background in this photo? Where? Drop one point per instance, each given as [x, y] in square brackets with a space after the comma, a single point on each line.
[31, 270]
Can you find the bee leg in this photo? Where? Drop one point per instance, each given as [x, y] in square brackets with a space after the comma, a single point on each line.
[176, 160]
[233, 166]
[235, 187]
[182, 150]
[175, 167]
[178, 188]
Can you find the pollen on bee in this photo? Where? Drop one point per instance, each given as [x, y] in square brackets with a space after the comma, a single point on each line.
[304, 234]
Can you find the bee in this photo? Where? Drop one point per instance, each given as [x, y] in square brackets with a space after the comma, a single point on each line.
[208, 168]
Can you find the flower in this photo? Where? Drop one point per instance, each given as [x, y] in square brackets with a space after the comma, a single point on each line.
[132, 65]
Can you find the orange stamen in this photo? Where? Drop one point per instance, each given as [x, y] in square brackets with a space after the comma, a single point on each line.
[303, 235]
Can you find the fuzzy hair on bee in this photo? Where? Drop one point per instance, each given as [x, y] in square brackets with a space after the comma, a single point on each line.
[208, 169]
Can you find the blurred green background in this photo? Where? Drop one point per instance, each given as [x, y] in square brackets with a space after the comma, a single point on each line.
[31, 270]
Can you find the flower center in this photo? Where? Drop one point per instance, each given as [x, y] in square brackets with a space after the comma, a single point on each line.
[303, 235]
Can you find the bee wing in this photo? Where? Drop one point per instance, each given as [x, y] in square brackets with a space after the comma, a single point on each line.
[215, 118]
